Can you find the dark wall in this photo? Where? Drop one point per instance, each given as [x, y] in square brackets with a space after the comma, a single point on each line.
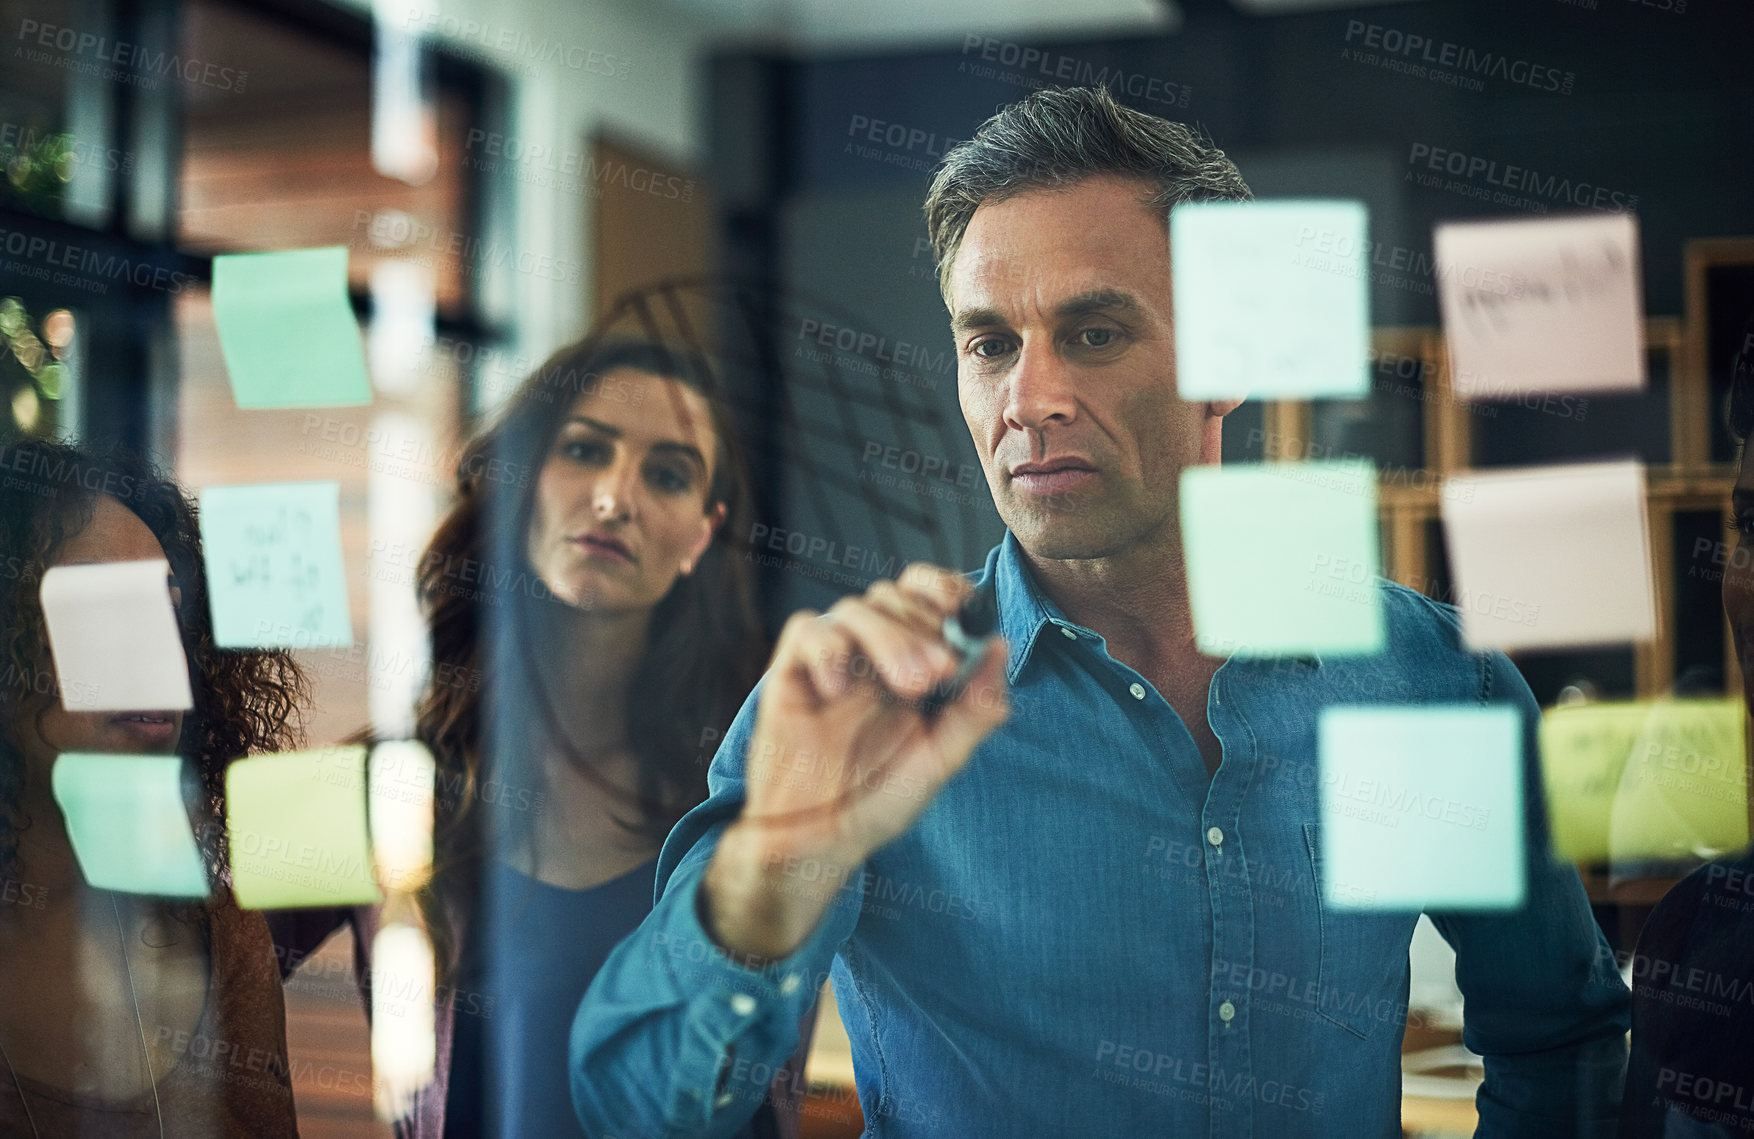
[1621, 104]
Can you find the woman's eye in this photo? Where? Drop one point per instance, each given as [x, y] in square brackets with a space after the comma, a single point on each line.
[669, 481]
[584, 450]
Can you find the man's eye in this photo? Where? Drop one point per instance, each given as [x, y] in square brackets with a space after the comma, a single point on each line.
[1097, 337]
[988, 348]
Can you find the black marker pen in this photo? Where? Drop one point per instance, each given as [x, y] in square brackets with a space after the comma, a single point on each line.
[967, 630]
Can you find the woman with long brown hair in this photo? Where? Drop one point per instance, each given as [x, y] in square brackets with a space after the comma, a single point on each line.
[123, 1014]
[592, 631]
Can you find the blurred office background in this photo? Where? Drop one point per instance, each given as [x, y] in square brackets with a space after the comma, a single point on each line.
[502, 174]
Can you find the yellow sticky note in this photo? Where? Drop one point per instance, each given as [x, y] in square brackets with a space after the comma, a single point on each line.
[298, 831]
[1646, 780]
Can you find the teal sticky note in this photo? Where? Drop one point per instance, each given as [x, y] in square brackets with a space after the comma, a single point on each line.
[1282, 558]
[275, 576]
[1272, 299]
[298, 830]
[1422, 807]
[287, 331]
[126, 819]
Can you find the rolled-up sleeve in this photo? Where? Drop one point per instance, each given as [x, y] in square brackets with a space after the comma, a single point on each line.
[1545, 1006]
[674, 1038]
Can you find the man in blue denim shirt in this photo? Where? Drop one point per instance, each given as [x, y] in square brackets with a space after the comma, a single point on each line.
[1111, 922]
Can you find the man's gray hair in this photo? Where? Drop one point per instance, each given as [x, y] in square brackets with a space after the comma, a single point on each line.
[1059, 136]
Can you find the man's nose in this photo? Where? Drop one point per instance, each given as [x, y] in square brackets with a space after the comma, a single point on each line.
[1040, 391]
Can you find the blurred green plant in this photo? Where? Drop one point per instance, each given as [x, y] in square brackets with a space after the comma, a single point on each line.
[33, 368]
[37, 168]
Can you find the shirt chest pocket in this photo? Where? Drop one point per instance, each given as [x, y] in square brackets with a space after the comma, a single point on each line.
[1361, 978]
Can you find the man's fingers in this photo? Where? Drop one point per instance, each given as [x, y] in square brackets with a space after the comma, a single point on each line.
[889, 598]
[816, 652]
[906, 659]
[983, 705]
[939, 590]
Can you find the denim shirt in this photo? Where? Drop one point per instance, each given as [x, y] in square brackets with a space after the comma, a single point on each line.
[1084, 935]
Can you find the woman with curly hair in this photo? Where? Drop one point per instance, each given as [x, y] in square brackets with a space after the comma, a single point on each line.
[593, 631]
[122, 1014]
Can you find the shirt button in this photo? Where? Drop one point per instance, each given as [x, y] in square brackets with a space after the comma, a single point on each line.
[725, 1100]
[1227, 1012]
[1214, 836]
[742, 1004]
[1068, 634]
[789, 984]
[1137, 689]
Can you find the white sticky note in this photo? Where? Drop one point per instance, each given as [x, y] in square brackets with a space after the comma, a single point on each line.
[274, 568]
[403, 1042]
[1283, 558]
[1546, 557]
[127, 822]
[114, 637]
[1272, 299]
[403, 777]
[1542, 305]
[1422, 807]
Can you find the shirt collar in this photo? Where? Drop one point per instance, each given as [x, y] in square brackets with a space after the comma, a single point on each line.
[1025, 612]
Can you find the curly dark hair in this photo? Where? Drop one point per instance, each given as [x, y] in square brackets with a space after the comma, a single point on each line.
[705, 646]
[244, 702]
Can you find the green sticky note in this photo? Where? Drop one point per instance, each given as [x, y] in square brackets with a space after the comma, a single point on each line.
[1283, 558]
[1664, 779]
[275, 576]
[1422, 807]
[129, 827]
[287, 330]
[297, 825]
[1272, 299]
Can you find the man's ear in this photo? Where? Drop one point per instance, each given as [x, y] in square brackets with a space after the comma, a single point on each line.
[1219, 408]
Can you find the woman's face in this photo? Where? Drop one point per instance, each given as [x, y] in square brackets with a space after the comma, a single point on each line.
[115, 534]
[620, 507]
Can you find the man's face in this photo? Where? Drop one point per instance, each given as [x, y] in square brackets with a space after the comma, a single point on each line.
[1060, 307]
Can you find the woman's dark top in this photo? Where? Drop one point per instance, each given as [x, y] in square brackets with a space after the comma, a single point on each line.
[537, 949]
[1692, 1066]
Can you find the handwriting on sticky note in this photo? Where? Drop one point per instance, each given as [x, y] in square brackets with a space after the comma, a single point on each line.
[274, 567]
[1546, 557]
[287, 331]
[1649, 779]
[114, 637]
[1283, 558]
[298, 831]
[1271, 299]
[126, 819]
[1422, 806]
[1542, 305]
